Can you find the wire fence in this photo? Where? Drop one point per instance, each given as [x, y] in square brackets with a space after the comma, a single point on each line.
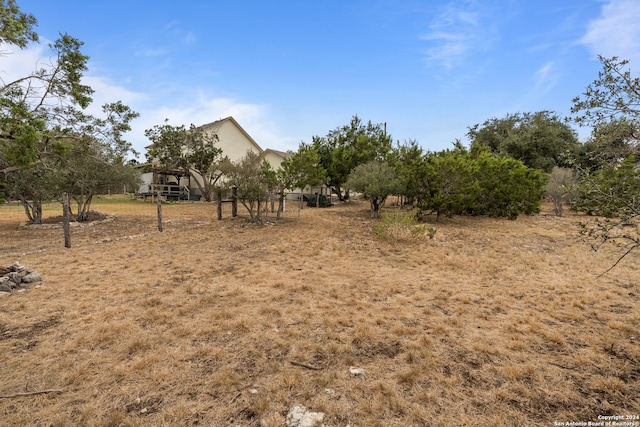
[123, 216]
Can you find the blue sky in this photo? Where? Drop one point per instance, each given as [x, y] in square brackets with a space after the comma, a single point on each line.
[288, 70]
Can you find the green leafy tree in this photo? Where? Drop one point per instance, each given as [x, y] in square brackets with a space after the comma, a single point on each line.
[88, 169]
[32, 186]
[349, 146]
[192, 151]
[254, 179]
[450, 185]
[610, 143]
[481, 183]
[42, 116]
[615, 94]
[376, 180]
[610, 178]
[506, 187]
[299, 170]
[560, 188]
[16, 27]
[411, 165]
[540, 140]
[613, 194]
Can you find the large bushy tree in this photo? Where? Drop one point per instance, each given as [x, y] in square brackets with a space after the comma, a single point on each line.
[191, 151]
[450, 186]
[410, 163]
[507, 187]
[346, 147]
[540, 140]
[481, 183]
[88, 169]
[42, 117]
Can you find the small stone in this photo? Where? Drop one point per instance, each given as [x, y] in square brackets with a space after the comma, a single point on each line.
[253, 391]
[32, 278]
[5, 288]
[357, 372]
[17, 267]
[22, 290]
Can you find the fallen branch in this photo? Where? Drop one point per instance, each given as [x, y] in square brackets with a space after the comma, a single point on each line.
[30, 393]
[235, 397]
[315, 368]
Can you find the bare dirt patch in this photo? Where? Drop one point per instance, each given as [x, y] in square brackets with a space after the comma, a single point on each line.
[494, 322]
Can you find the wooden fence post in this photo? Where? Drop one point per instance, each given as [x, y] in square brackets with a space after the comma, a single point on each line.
[219, 204]
[159, 213]
[66, 210]
[234, 201]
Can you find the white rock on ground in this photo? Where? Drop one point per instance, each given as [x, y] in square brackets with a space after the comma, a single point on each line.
[300, 416]
[357, 372]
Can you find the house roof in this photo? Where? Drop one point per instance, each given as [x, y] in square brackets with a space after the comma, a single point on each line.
[283, 154]
[215, 126]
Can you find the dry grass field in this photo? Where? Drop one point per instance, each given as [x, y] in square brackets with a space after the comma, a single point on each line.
[223, 323]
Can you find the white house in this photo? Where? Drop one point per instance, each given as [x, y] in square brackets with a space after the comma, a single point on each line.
[232, 139]
[234, 142]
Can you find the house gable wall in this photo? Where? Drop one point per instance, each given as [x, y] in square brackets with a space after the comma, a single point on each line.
[273, 158]
[233, 140]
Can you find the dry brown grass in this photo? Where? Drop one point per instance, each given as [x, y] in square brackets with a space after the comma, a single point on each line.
[493, 322]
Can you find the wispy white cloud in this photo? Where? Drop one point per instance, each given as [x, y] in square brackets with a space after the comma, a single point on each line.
[190, 37]
[175, 29]
[152, 52]
[546, 77]
[456, 31]
[616, 32]
[18, 63]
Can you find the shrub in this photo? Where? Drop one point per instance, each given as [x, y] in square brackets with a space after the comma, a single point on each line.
[400, 225]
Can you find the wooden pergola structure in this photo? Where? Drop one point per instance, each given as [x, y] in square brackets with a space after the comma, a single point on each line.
[163, 186]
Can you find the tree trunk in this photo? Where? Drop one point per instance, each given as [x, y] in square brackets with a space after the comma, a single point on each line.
[33, 210]
[83, 208]
[27, 210]
[259, 215]
[338, 191]
[375, 207]
[249, 206]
